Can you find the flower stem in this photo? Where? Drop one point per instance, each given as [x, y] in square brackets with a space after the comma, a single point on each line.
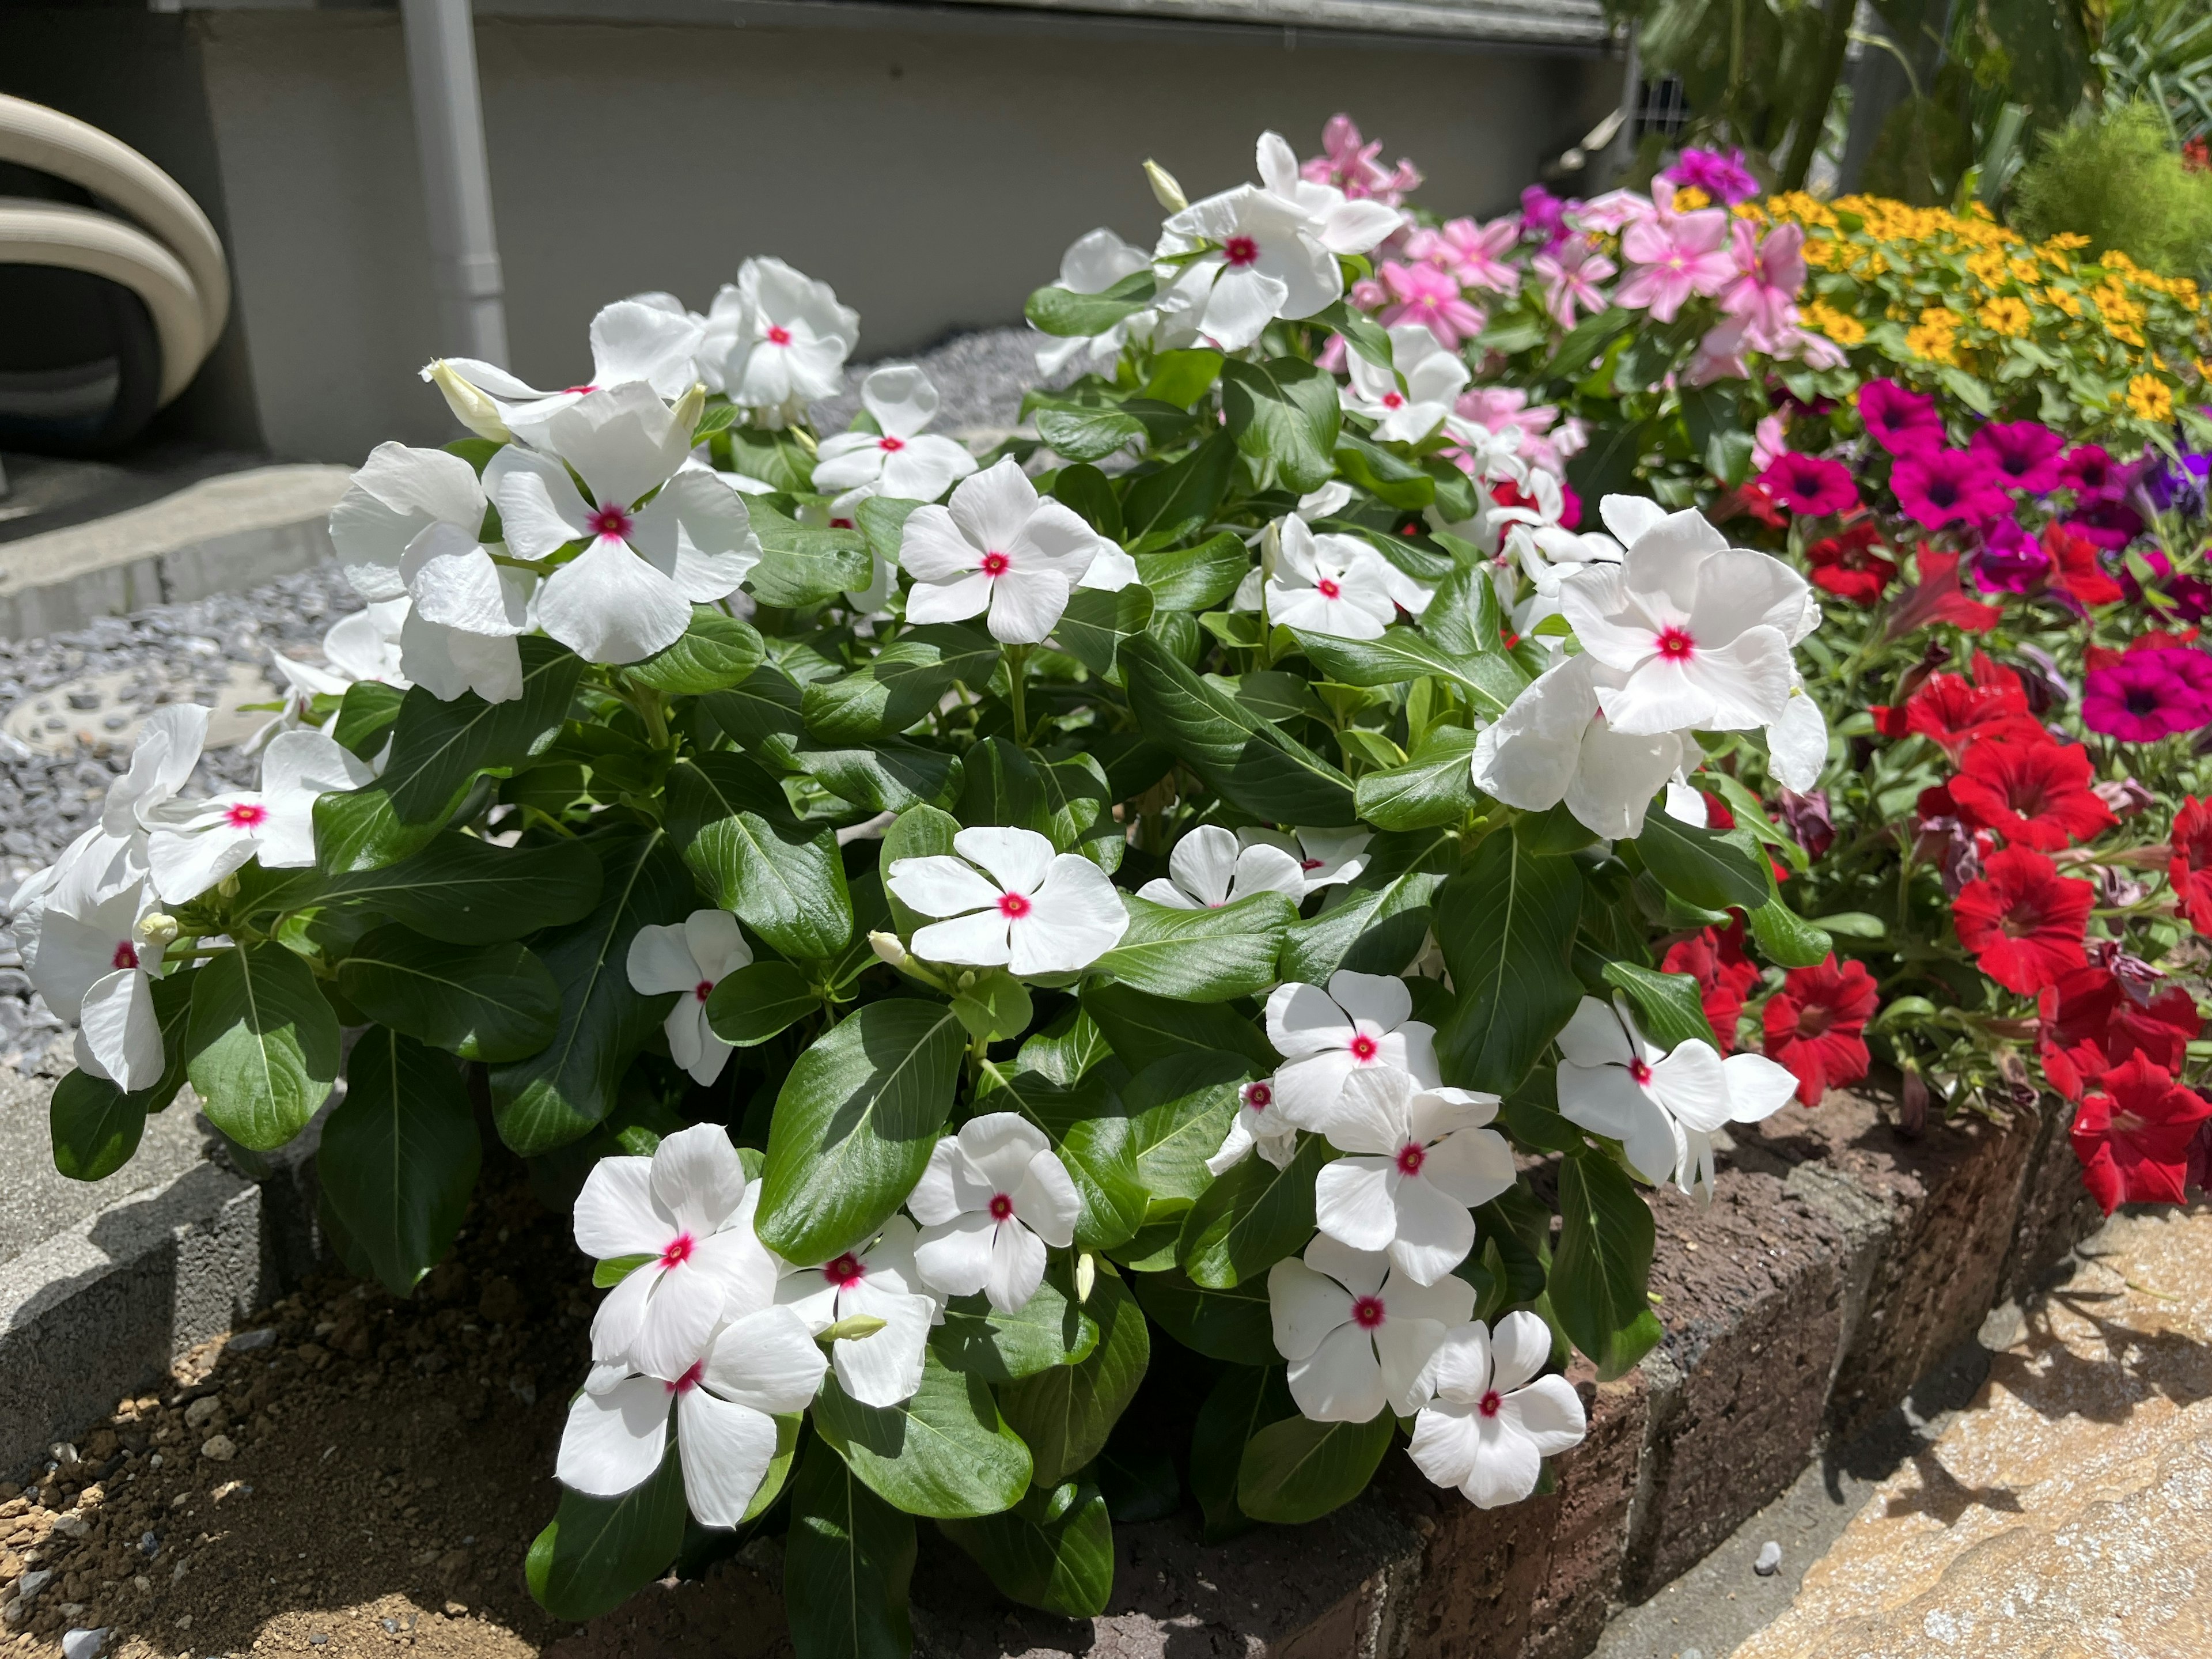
[1018, 672]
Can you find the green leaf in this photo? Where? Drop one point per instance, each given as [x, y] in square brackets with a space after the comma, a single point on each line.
[1244, 1401]
[559, 1093]
[801, 565]
[1096, 622]
[752, 1005]
[1085, 488]
[1375, 931]
[486, 1002]
[854, 1125]
[1193, 577]
[761, 716]
[787, 885]
[946, 1453]
[1180, 1110]
[1786, 938]
[1049, 1329]
[1603, 1266]
[1361, 332]
[1088, 435]
[1491, 680]
[599, 1552]
[1182, 378]
[1712, 869]
[1234, 1324]
[457, 890]
[264, 1044]
[95, 1127]
[1669, 1006]
[1463, 616]
[1201, 956]
[399, 1155]
[1382, 474]
[882, 519]
[1433, 789]
[365, 717]
[439, 746]
[888, 776]
[1252, 1218]
[1298, 1470]
[1242, 756]
[1507, 926]
[1078, 801]
[1586, 342]
[773, 456]
[997, 1005]
[1063, 312]
[1054, 1550]
[1284, 410]
[715, 650]
[1168, 505]
[847, 1561]
[906, 681]
[1064, 1414]
[1141, 1028]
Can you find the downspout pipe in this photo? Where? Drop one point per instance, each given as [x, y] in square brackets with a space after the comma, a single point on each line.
[449, 132]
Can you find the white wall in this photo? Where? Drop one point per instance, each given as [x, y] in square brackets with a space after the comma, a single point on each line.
[933, 179]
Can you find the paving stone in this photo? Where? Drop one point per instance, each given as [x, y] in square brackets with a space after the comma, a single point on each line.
[2055, 1210]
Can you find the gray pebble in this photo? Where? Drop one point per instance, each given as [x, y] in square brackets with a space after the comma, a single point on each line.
[1770, 1559]
[83, 1644]
[247, 1341]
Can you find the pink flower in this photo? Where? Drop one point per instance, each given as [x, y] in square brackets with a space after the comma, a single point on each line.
[1673, 256]
[1768, 441]
[1724, 179]
[1425, 294]
[1903, 422]
[1350, 165]
[1719, 355]
[1769, 275]
[1942, 486]
[1811, 484]
[1471, 252]
[1571, 278]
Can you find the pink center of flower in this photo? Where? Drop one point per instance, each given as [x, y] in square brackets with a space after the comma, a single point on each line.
[1014, 906]
[778, 334]
[1259, 1097]
[1393, 400]
[246, 816]
[1638, 1071]
[1240, 250]
[690, 1380]
[1411, 1156]
[1362, 1048]
[1309, 864]
[1329, 590]
[578, 390]
[891, 446]
[125, 955]
[612, 521]
[678, 1251]
[1490, 1404]
[995, 564]
[1676, 645]
[1367, 1312]
[1002, 1208]
[702, 988]
[845, 1271]
[841, 524]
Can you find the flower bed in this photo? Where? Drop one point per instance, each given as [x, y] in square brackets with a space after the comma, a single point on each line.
[957, 927]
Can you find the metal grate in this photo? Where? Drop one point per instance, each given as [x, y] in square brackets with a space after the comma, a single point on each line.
[1660, 107]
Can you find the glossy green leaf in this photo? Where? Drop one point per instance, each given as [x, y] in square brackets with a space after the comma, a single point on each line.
[1096, 622]
[458, 889]
[1285, 411]
[888, 776]
[489, 1002]
[95, 1127]
[1201, 956]
[1049, 1329]
[1167, 506]
[1669, 1006]
[263, 1045]
[752, 1005]
[1713, 869]
[1054, 1550]
[946, 1453]
[1786, 938]
[1088, 435]
[1244, 1400]
[1298, 1470]
[1491, 680]
[1063, 312]
[802, 565]
[1507, 927]
[596, 1552]
[716, 650]
[1602, 1265]
[1251, 1217]
[1180, 1110]
[903, 683]
[1194, 578]
[1141, 1028]
[1434, 788]
[847, 1561]
[1233, 1324]
[399, 1155]
[736, 833]
[1064, 1414]
[438, 746]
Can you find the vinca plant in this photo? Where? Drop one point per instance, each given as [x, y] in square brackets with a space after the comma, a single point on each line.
[958, 927]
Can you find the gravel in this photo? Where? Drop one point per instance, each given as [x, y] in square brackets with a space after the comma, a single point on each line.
[980, 378]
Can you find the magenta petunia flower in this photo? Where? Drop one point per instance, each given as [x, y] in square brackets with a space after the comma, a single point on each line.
[2109, 522]
[2092, 474]
[2141, 698]
[1724, 179]
[2025, 454]
[1903, 422]
[2011, 561]
[1946, 486]
[1811, 484]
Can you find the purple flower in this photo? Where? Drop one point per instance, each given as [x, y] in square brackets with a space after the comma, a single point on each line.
[2092, 474]
[1544, 214]
[2110, 523]
[2142, 698]
[1943, 486]
[1903, 422]
[2025, 454]
[2011, 561]
[1724, 179]
[2192, 596]
[2176, 486]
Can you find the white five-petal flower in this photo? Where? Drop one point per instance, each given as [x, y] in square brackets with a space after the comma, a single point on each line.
[992, 1198]
[689, 958]
[647, 338]
[1001, 549]
[1492, 1419]
[1363, 1021]
[1553, 743]
[1011, 901]
[1325, 858]
[194, 844]
[900, 458]
[1326, 584]
[1256, 1128]
[880, 1282]
[1422, 1158]
[95, 967]
[775, 341]
[1207, 870]
[1432, 379]
[1357, 1332]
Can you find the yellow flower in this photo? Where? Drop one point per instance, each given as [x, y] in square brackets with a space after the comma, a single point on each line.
[2126, 334]
[2024, 271]
[2008, 316]
[2065, 299]
[1750, 210]
[2149, 398]
[1689, 198]
[1987, 267]
[1934, 345]
[2203, 369]
[1939, 316]
[1846, 331]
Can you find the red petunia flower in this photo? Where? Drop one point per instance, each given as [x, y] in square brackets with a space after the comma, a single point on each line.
[2090, 1023]
[1939, 599]
[1850, 565]
[1811, 484]
[2133, 1136]
[2079, 573]
[1813, 1026]
[2189, 872]
[1715, 958]
[1954, 711]
[2032, 794]
[1891, 721]
[2021, 920]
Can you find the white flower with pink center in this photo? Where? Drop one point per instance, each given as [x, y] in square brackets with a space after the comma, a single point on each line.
[647, 338]
[689, 958]
[1491, 1420]
[1433, 378]
[1327, 583]
[1422, 1158]
[682, 1220]
[992, 1198]
[900, 458]
[1361, 1022]
[1554, 744]
[1000, 551]
[879, 1282]
[1358, 1332]
[1257, 1127]
[194, 844]
[1009, 901]
[1208, 869]
[89, 959]
[1326, 858]
[777, 341]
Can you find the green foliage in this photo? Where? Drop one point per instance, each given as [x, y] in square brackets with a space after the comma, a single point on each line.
[2118, 182]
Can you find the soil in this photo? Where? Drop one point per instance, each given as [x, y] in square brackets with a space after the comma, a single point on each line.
[367, 1476]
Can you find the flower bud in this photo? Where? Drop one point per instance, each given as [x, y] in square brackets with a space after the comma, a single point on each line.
[1168, 193]
[157, 927]
[471, 407]
[690, 406]
[1087, 1275]
[228, 887]
[888, 949]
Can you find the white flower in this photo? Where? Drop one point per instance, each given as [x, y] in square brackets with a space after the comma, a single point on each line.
[1662, 1108]
[777, 341]
[1700, 630]
[903, 460]
[1259, 263]
[645, 562]
[993, 1197]
[1553, 743]
[1493, 1420]
[882, 1282]
[1422, 1159]
[1026, 909]
[1326, 584]
[688, 1211]
[1339, 224]
[1325, 857]
[194, 844]
[1433, 378]
[1357, 1332]
[647, 338]
[1798, 742]
[691, 958]
[89, 959]
[1255, 1128]
[1094, 262]
[1208, 870]
[1359, 1022]
[999, 547]
[400, 496]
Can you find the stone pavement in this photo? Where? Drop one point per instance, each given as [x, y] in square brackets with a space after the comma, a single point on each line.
[2068, 1510]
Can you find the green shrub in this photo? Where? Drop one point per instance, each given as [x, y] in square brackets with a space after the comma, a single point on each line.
[2116, 181]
